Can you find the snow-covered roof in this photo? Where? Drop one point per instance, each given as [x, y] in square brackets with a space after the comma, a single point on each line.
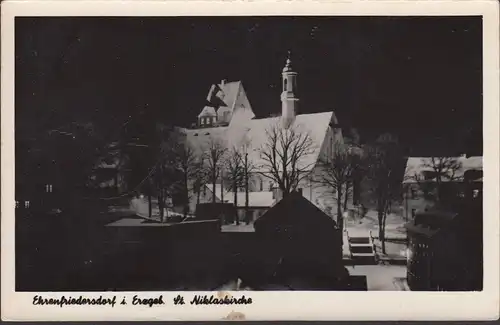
[417, 166]
[255, 199]
[253, 133]
[224, 94]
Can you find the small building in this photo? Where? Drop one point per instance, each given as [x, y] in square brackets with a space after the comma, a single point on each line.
[460, 177]
[258, 201]
[300, 246]
[258, 204]
[445, 250]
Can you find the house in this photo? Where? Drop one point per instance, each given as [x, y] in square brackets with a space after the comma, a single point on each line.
[231, 122]
[460, 177]
[258, 201]
[445, 249]
[301, 245]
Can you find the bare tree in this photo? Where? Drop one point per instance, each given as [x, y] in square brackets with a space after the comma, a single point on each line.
[159, 178]
[213, 159]
[184, 166]
[336, 175]
[284, 156]
[437, 171]
[248, 168]
[236, 173]
[385, 164]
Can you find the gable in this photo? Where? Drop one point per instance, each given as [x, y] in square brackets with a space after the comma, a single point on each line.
[295, 210]
[242, 111]
[207, 111]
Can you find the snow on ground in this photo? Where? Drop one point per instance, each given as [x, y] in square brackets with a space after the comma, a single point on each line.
[380, 277]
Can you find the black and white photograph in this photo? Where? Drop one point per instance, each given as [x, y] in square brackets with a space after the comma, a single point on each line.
[261, 153]
[248, 153]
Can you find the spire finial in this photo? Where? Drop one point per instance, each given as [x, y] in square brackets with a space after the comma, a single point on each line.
[288, 65]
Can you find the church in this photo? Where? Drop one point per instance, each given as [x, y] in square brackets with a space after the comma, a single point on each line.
[229, 119]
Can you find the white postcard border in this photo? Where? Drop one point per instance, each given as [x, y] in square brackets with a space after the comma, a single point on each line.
[283, 305]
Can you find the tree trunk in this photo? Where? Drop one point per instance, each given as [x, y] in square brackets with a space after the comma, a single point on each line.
[235, 192]
[198, 194]
[213, 189]
[186, 195]
[346, 196]
[247, 218]
[160, 194]
[340, 219]
[160, 205]
[150, 204]
[221, 189]
[383, 233]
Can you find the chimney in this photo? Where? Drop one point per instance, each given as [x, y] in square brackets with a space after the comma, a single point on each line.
[223, 82]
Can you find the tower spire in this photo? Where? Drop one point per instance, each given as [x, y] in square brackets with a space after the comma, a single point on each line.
[289, 100]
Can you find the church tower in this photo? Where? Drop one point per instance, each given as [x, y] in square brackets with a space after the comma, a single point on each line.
[289, 100]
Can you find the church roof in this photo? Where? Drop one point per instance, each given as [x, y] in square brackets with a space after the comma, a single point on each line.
[207, 111]
[253, 132]
[224, 94]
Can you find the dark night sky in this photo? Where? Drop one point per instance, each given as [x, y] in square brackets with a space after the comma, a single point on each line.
[420, 78]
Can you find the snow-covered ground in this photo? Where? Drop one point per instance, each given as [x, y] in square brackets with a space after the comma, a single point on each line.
[381, 277]
[141, 207]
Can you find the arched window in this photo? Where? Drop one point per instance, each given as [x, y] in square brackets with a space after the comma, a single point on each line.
[285, 81]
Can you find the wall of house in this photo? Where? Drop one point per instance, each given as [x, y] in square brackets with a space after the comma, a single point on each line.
[224, 114]
[416, 201]
[317, 193]
[254, 213]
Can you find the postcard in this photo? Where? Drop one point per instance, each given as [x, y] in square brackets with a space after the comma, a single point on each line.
[205, 160]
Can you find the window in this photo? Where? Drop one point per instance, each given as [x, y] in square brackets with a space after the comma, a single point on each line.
[413, 213]
[285, 81]
[26, 204]
[202, 120]
[48, 188]
[413, 193]
[261, 185]
[300, 191]
[17, 204]
[429, 175]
